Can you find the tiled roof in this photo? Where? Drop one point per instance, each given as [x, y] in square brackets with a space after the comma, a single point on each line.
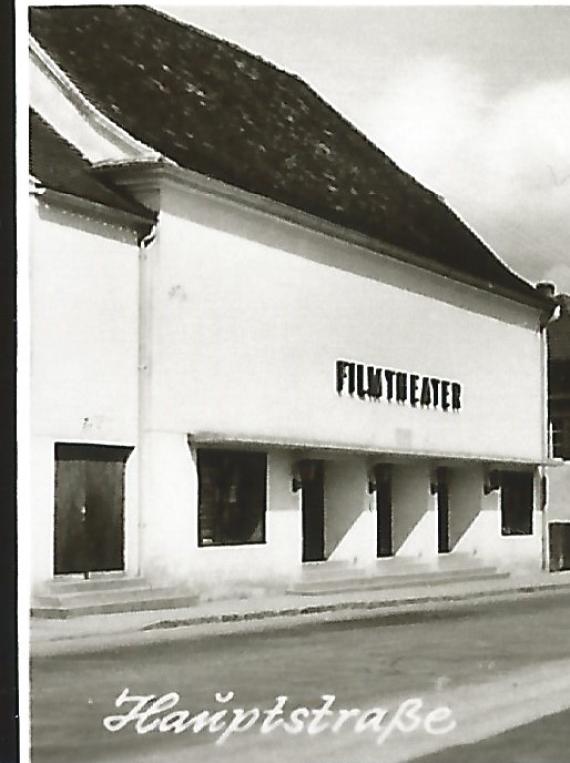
[58, 165]
[212, 107]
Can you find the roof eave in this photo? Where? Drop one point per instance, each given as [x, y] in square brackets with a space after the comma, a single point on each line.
[138, 223]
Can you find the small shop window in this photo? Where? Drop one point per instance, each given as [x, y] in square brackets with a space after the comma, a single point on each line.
[557, 436]
[560, 429]
[232, 497]
[517, 501]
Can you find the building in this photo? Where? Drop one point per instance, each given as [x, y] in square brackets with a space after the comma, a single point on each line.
[559, 422]
[256, 342]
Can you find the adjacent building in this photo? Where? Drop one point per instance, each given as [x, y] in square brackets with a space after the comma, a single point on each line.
[256, 342]
[559, 422]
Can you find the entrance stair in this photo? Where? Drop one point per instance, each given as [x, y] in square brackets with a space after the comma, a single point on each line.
[103, 594]
[333, 577]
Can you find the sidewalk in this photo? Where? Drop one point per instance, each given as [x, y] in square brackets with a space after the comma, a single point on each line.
[93, 633]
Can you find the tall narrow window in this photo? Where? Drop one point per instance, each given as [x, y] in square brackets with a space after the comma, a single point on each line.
[517, 501]
[557, 435]
[561, 436]
[232, 497]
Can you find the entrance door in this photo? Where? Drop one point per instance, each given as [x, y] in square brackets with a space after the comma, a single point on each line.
[442, 512]
[89, 514]
[313, 509]
[384, 541]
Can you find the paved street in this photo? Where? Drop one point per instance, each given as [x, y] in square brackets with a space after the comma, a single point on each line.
[544, 741]
[363, 665]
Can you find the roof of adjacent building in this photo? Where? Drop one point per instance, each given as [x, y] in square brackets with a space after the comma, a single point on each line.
[59, 166]
[212, 107]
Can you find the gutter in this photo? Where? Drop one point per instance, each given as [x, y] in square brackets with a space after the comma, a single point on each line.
[140, 223]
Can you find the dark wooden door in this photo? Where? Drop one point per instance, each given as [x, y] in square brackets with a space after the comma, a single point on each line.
[313, 509]
[443, 546]
[384, 536]
[70, 510]
[89, 513]
[559, 546]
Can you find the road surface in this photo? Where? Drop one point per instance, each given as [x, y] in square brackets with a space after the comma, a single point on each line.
[544, 741]
[366, 664]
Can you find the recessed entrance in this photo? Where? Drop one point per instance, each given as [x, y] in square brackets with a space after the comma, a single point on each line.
[442, 498]
[313, 510]
[89, 508]
[384, 535]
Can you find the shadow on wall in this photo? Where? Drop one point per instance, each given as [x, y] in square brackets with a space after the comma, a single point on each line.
[465, 501]
[346, 509]
[411, 501]
[351, 512]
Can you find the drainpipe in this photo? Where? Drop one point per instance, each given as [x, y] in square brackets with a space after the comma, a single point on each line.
[144, 348]
[548, 315]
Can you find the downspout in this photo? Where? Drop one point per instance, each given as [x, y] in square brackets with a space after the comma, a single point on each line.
[548, 315]
[143, 370]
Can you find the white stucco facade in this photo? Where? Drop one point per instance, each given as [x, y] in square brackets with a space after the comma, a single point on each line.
[225, 332]
[249, 315]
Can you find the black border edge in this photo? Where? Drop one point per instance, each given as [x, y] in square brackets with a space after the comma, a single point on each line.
[9, 699]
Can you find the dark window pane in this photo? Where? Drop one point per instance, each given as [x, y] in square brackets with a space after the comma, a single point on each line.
[559, 546]
[232, 497]
[559, 377]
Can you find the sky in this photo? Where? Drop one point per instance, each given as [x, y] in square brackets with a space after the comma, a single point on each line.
[473, 101]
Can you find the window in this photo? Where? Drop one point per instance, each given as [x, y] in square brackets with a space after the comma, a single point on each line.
[517, 501]
[560, 429]
[232, 497]
[559, 546]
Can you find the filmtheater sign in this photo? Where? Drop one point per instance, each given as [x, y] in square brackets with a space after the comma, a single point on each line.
[399, 386]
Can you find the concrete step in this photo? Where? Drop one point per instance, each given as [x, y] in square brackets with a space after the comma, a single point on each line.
[393, 565]
[153, 601]
[379, 582]
[458, 561]
[73, 597]
[77, 585]
[328, 570]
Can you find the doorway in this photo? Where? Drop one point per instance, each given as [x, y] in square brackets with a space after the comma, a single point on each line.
[313, 510]
[89, 508]
[442, 497]
[384, 532]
